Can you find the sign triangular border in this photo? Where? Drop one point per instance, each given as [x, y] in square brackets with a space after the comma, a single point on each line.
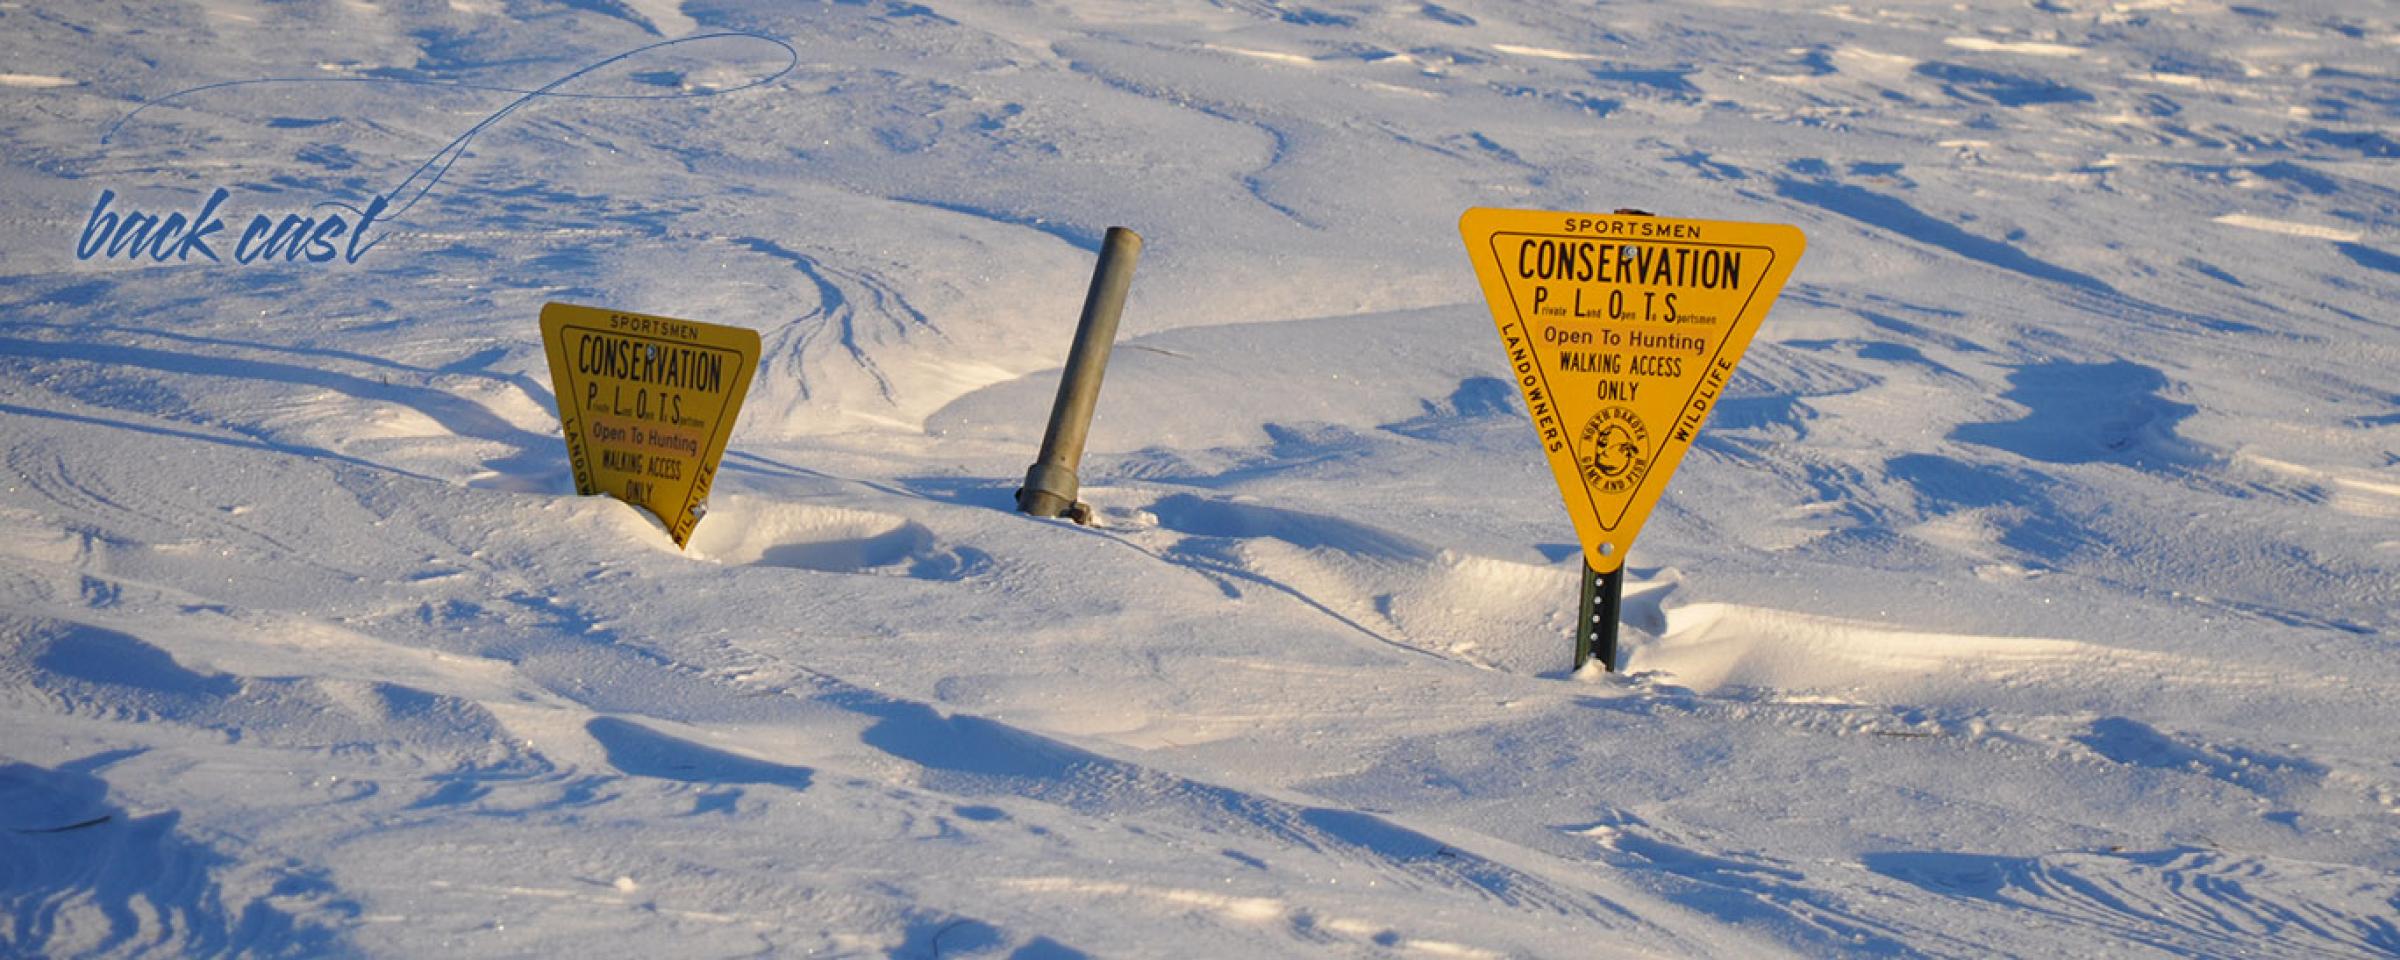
[683, 514]
[1605, 544]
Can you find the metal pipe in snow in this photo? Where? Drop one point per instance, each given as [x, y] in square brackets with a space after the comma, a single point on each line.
[1051, 485]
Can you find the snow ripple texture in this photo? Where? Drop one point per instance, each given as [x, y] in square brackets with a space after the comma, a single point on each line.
[2031, 591]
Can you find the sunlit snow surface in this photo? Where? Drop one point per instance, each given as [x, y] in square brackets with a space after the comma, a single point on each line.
[2033, 593]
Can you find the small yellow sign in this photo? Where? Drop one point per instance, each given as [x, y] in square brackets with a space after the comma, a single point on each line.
[1622, 331]
[647, 404]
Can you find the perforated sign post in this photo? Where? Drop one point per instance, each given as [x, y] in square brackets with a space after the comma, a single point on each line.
[1622, 330]
[647, 404]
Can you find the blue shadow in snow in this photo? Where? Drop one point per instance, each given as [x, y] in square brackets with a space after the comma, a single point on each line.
[970, 755]
[2369, 257]
[2367, 142]
[1974, 875]
[1671, 82]
[615, 10]
[1558, 552]
[2034, 525]
[81, 294]
[1044, 948]
[907, 542]
[1588, 103]
[1707, 167]
[963, 491]
[2088, 413]
[456, 414]
[294, 449]
[1198, 516]
[1312, 17]
[1080, 237]
[2137, 744]
[2213, 272]
[1977, 85]
[1895, 215]
[932, 936]
[2382, 420]
[1887, 352]
[2199, 902]
[1441, 14]
[2285, 171]
[1920, 332]
[1752, 892]
[1482, 397]
[643, 752]
[101, 656]
[1751, 403]
[946, 936]
[64, 848]
[1477, 400]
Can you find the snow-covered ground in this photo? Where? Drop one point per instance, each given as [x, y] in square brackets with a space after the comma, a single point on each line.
[2034, 593]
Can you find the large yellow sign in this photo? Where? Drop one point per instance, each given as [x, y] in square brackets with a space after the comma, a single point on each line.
[647, 404]
[1623, 330]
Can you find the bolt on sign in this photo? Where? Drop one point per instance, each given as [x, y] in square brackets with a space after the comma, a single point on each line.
[647, 404]
[1622, 331]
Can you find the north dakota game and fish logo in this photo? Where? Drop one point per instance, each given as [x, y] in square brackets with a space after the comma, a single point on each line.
[1616, 445]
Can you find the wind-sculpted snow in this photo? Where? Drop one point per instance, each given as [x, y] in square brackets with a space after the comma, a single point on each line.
[2173, 902]
[81, 876]
[2030, 591]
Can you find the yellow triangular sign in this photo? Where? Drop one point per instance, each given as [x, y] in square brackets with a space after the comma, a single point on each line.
[1622, 330]
[647, 404]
